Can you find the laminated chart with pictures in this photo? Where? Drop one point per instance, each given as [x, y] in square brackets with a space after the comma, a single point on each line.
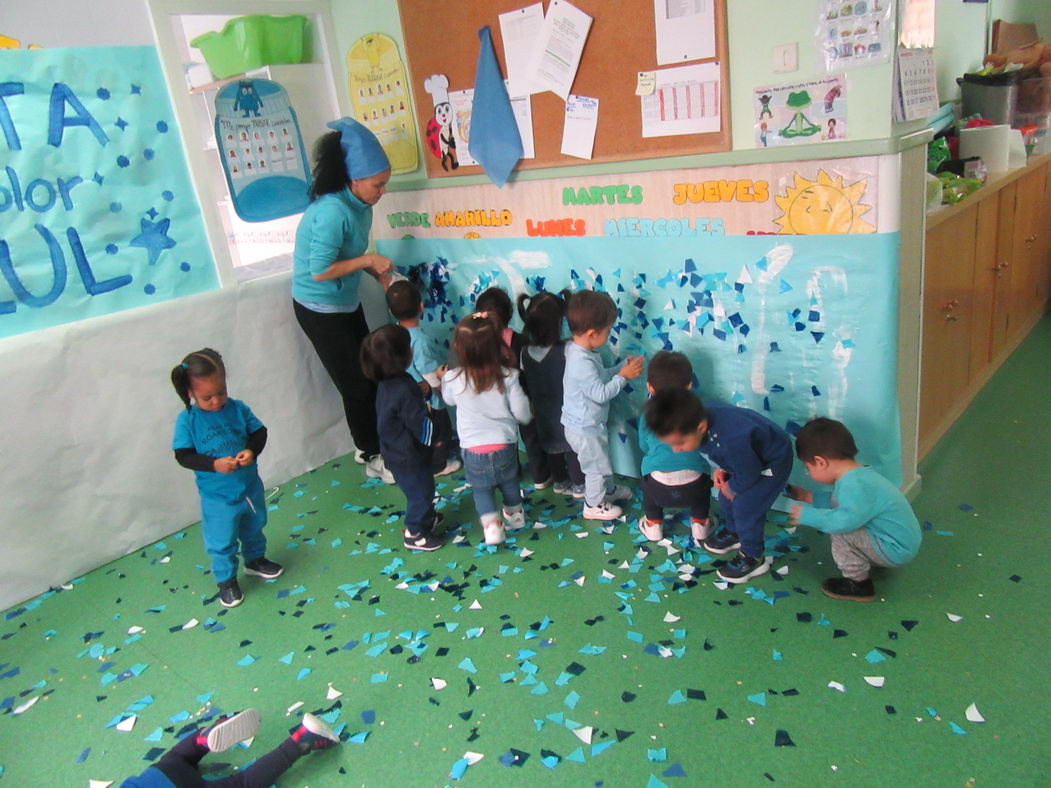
[684, 100]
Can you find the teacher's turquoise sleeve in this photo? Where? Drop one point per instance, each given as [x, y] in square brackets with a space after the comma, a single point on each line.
[328, 231]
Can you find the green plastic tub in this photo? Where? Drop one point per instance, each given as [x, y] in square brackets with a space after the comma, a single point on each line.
[248, 42]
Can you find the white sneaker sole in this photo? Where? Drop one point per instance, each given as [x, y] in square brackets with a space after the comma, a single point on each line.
[265, 575]
[605, 516]
[760, 570]
[319, 728]
[237, 728]
[652, 533]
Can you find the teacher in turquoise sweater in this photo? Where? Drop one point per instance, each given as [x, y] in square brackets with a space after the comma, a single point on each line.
[350, 176]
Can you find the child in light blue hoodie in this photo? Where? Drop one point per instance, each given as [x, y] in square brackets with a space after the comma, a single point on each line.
[588, 387]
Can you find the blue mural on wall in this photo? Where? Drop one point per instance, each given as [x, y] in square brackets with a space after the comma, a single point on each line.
[97, 213]
[793, 326]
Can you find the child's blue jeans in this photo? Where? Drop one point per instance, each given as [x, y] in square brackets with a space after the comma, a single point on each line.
[225, 523]
[487, 471]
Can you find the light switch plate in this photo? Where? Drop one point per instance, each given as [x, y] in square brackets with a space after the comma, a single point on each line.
[786, 58]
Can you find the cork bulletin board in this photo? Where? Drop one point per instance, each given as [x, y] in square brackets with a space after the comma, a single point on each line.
[443, 39]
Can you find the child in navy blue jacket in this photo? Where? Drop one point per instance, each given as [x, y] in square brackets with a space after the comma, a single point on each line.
[752, 458]
[405, 429]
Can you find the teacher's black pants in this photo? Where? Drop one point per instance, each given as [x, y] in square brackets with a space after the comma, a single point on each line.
[337, 338]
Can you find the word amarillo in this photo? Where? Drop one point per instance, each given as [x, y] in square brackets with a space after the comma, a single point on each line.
[549, 228]
[40, 196]
[663, 228]
[722, 191]
[597, 195]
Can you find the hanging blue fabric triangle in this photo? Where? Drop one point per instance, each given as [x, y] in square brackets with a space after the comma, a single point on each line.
[494, 141]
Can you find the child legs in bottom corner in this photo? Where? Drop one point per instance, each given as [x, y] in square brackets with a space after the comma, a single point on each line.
[855, 555]
[694, 495]
[566, 472]
[744, 518]
[592, 450]
[417, 484]
[486, 472]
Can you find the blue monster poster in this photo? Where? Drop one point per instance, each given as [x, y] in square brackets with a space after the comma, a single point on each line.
[261, 148]
[791, 326]
[97, 213]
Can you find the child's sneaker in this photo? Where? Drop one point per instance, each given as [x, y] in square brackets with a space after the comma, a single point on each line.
[427, 543]
[850, 590]
[515, 518]
[230, 593]
[702, 529]
[722, 543]
[228, 731]
[578, 491]
[313, 734]
[359, 456]
[493, 531]
[618, 493]
[651, 529]
[452, 466]
[376, 469]
[743, 568]
[264, 567]
[604, 511]
[563, 488]
[543, 485]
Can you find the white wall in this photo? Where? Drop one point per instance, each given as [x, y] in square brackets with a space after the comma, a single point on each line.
[89, 410]
[76, 23]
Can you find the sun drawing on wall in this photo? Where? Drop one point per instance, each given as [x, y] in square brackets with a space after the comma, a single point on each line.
[824, 206]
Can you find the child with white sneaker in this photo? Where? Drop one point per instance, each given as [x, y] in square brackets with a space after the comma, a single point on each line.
[490, 404]
[588, 388]
[867, 517]
[179, 767]
[406, 306]
[752, 458]
[672, 479]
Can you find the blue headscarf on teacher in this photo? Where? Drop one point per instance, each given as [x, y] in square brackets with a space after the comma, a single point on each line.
[362, 152]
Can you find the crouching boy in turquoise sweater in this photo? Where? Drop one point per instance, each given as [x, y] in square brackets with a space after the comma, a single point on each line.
[869, 520]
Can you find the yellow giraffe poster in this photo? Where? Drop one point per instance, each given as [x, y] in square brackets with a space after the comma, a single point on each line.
[379, 91]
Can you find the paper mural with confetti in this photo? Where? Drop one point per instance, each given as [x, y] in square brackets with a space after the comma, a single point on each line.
[792, 327]
[98, 214]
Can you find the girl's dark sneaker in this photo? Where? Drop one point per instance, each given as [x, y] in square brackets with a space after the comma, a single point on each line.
[722, 543]
[850, 590]
[263, 567]
[743, 568]
[313, 734]
[230, 593]
[425, 542]
[228, 731]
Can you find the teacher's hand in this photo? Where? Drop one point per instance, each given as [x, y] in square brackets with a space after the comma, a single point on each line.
[380, 265]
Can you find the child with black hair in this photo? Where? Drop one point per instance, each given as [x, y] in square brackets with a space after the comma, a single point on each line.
[406, 305]
[406, 431]
[490, 404]
[179, 766]
[752, 458]
[496, 303]
[678, 480]
[543, 365]
[869, 520]
[588, 388]
[219, 439]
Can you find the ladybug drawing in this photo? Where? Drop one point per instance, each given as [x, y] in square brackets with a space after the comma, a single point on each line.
[440, 139]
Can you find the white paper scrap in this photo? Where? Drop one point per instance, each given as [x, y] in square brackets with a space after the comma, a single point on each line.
[875, 681]
[973, 715]
[438, 684]
[837, 686]
[670, 618]
[475, 605]
[953, 617]
[127, 723]
[584, 734]
[332, 693]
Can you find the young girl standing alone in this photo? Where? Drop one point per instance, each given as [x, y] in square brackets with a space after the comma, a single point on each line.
[490, 404]
[219, 438]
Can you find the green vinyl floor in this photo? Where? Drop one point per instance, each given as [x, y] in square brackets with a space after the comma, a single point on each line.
[574, 654]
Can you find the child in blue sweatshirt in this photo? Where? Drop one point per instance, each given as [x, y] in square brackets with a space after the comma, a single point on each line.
[869, 520]
[752, 458]
[678, 480]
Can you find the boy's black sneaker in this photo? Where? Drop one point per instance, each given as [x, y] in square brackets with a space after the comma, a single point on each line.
[230, 593]
[263, 567]
[722, 543]
[424, 542]
[850, 590]
[743, 568]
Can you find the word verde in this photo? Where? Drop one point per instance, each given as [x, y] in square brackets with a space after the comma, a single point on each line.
[41, 196]
[597, 195]
[472, 218]
[555, 227]
[409, 219]
[722, 191]
[663, 228]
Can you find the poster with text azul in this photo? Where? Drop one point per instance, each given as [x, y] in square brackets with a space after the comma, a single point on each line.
[97, 213]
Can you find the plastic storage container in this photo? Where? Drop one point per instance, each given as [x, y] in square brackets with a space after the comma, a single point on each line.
[248, 42]
[994, 97]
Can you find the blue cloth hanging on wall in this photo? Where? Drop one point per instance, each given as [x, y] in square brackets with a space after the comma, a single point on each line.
[494, 140]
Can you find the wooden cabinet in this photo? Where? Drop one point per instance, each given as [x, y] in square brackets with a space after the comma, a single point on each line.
[986, 281]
